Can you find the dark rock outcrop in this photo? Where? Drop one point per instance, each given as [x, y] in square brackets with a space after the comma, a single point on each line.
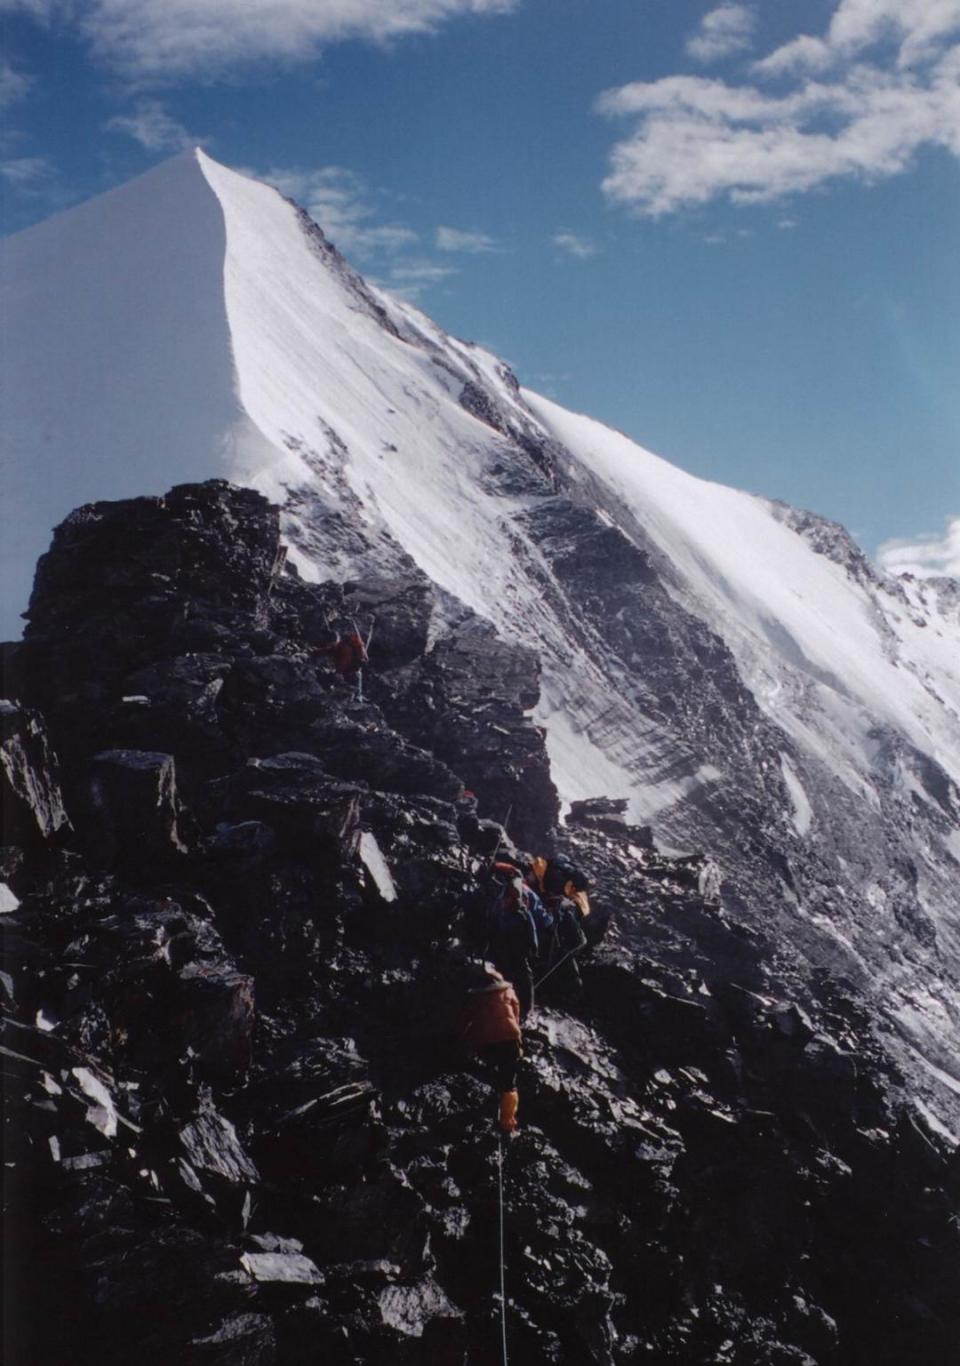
[32, 803]
[133, 801]
[238, 1126]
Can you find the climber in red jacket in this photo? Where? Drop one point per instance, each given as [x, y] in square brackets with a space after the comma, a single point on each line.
[491, 1028]
[347, 653]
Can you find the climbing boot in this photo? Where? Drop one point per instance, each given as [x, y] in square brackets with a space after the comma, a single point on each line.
[509, 1100]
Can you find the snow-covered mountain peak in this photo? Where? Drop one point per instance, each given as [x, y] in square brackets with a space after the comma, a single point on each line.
[732, 667]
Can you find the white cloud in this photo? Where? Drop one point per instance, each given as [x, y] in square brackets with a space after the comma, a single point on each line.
[410, 278]
[574, 245]
[169, 39]
[918, 26]
[452, 239]
[925, 557]
[347, 209]
[389, 237]
[421, 272]
[723, 32]
[13, 84]
[913, 30]
[42, 10]
[153, 127]
[344, 206]
[802, 54]
[28, 175]
[697, 139]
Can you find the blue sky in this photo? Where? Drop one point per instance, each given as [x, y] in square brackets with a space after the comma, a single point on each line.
[731, 230]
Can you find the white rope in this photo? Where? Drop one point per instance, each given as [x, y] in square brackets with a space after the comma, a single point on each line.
[558, 964]
[503, 1275]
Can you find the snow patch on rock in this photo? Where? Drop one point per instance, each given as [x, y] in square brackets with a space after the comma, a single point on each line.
[802, 810]
[371, 856]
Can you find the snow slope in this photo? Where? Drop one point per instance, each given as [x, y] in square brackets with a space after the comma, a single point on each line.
[732, 667]
[816, 647]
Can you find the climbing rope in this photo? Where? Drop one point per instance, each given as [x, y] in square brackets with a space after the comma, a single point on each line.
[503, 1273]
[558, 964]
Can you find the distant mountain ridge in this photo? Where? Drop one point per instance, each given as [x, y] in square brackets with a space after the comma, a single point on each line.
[732, 667]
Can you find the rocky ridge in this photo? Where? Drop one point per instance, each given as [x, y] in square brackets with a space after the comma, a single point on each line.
[238, 1126]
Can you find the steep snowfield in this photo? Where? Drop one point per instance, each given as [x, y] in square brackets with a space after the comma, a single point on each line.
[378, 410]
[817, 648]
[194, 324]
[317, 372]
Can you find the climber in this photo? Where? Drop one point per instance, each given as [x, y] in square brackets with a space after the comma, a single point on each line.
[348, 653]
[501, 922]
[565, 892]
[490, 1027]
[507, 925]
[557, 878]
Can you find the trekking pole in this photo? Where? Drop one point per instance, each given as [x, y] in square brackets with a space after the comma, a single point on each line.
[364, 645]
[503, 831]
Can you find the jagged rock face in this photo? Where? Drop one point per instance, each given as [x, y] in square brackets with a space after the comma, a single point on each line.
[239, 1124]
[33, 810]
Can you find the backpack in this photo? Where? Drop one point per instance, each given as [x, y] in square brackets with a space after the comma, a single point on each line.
[543, 919]
[516, 902]
[560, 871]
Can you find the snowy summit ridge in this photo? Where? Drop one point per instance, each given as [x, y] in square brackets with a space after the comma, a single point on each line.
[732, 667]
